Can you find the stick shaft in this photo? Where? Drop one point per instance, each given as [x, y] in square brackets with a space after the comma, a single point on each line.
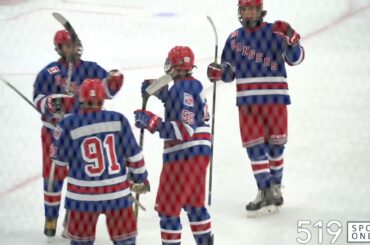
[213, 116]
[141, 143]
[19, 93]
[160, 83]
[69, 77]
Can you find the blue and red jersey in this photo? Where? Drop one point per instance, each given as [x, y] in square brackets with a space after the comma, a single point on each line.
[52, 80]
[256, 59]
[185, 128]
[101, 155]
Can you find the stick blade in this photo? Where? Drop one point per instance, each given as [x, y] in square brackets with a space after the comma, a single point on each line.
[67, 25]
[213, 27]
[60, 18]
[158, 84]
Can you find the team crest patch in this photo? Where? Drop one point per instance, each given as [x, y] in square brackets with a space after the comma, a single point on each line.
[188, 100]
[53, 70]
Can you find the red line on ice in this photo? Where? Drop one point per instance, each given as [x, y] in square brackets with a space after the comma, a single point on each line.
[337, 21]
[17, 16]
[116, 6]
[10, 2]
[20, 185]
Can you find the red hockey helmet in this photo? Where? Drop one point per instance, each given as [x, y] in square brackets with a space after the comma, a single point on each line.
[181, 58]
[62, 37]
[250, 3]
[92, 90]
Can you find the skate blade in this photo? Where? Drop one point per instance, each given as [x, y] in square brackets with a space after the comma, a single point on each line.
[50, 240]
[265, 211]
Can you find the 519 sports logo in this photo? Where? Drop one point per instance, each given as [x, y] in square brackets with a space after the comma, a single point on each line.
[333, 228]
[357, 231]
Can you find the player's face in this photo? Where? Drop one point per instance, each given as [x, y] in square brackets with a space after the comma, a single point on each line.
[67, 49]
[249, 13]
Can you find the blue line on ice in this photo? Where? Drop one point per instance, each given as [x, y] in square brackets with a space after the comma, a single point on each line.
[165, 14]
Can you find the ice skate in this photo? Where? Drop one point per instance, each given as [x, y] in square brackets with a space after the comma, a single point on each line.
[50, 229]
[276, 192]
[263, 205]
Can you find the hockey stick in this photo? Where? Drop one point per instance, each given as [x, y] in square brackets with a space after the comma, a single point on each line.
[49, 187]
[62, 20]
[141, 143]
[28, 101]
[75, 41]
[213, 116]
[141, 206]
[150, 90]
[19, 93]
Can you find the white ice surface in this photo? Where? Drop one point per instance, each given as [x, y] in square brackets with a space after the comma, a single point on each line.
[327, 157]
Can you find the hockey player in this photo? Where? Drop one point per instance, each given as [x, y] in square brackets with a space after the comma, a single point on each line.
[255, 56]
[53, 100]
[98, 147]
[187, 149]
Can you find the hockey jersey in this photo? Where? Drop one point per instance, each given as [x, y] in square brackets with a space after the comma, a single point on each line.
[98, 148]
[52, 80]
[185, 128]
[256, 59]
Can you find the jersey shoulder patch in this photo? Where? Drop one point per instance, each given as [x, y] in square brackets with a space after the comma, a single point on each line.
[188, 100]
[54, 69]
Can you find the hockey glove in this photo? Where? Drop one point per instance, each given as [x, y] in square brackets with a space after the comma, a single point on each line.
[284, 29]
[114, 81]
[147, 120]
[141, 188]
[58, 104]
[214, 72]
